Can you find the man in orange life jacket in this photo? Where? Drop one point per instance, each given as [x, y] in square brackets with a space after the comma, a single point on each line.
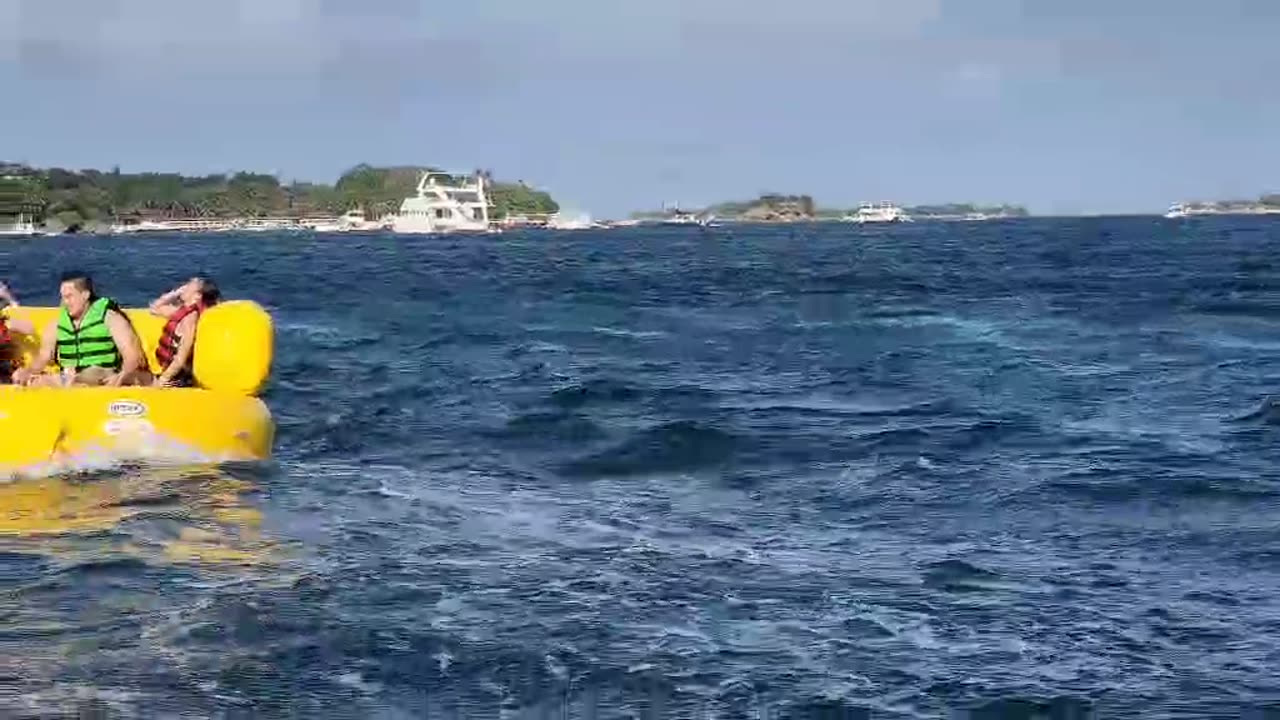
[175, 351]
[9, 353]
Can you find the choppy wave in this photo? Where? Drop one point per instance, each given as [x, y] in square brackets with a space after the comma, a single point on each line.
[1017, 469]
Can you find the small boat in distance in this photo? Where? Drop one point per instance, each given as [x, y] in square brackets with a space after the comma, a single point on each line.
[878, 213]
[351, 221]
[675, 216]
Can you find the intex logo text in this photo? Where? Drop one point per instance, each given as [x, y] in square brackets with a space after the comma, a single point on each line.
[127, 408]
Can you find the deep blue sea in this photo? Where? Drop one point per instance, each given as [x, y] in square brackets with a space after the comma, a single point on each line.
[1020, 469]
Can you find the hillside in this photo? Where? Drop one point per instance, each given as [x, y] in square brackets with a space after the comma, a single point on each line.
[769, 207]
[1264, 203]
[71, 199]
[963, 209]
[773, 207]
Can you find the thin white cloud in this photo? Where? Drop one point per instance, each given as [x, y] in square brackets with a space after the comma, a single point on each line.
[974, 81]
[856, 16]
[385, 51]
[10, 31]
[381, 51]
[253, 49]
[158, 37]
[234, 34]
[272, 13]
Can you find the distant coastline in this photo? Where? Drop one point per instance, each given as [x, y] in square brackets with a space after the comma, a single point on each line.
[93, 201]
[1265, 205]
[50, 201]
[775, 207]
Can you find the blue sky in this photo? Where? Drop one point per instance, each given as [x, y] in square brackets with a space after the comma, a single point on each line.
[614, 105]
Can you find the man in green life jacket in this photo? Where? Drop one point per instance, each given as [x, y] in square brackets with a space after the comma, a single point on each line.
[91, 340]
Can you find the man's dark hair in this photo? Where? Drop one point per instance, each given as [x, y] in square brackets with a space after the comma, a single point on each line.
[209, 292]
[80, 279]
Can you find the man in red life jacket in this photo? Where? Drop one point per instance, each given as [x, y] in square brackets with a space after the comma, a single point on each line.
[9, 353]
[182, 306]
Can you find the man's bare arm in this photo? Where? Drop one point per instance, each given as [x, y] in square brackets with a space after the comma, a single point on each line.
[21, 325]
[48, 343]
[126, 340]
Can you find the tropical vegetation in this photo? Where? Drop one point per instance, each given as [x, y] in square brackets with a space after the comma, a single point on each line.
[72, 199]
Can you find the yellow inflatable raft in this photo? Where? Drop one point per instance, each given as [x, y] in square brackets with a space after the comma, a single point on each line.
[49, 429]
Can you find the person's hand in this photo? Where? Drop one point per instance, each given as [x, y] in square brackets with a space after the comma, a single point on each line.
[21, 376]
[115, 380]
[162, 382]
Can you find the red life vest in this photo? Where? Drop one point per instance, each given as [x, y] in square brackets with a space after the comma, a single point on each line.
[7, 351]
[169, 340]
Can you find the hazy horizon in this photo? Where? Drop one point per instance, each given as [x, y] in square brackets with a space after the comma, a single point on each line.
[1082, 109]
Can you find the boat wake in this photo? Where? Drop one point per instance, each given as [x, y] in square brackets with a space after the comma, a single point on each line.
[149, 449]
[1268, 413]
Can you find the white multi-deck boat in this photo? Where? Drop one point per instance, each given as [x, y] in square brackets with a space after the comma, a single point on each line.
[878, 213]
[444, 207]
[23, 227]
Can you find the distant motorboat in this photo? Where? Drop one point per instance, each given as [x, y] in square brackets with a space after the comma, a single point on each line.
[21, 228]
[351, 221]
[679, 217]
[878, 213]
[676, 216]
[558, 221]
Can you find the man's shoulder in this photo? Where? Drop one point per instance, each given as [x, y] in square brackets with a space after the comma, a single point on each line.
[116, 315]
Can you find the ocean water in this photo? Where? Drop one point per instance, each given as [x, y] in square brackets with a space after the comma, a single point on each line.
[1020, 469]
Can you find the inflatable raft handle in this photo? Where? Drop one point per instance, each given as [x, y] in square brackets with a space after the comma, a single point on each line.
[235, 345]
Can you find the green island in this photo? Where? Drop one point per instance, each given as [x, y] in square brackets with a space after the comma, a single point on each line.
[778, 207]
[1265, 204]
[89, 200]
[960, 210]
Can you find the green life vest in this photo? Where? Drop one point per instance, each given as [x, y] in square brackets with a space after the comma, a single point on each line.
[91, 345]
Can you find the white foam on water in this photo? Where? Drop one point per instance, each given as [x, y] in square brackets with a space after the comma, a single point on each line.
[625, 333]
[138, 446]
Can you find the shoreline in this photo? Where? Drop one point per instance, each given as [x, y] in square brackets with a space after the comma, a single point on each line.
[320, 226]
